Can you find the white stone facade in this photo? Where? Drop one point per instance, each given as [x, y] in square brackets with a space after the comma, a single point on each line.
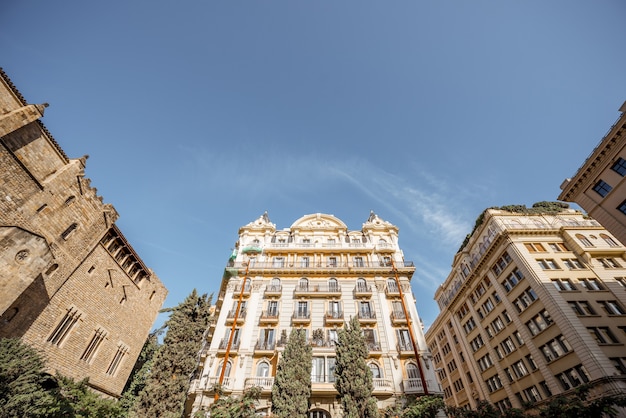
[315, 275]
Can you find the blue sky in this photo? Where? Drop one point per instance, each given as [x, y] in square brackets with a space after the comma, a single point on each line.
[198, 116]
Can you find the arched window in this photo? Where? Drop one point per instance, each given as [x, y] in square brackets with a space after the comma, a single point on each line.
[11, 313]
[608, 240]
[361, 285]
[263, 369]
[412, 371]
[226, 372]
[333, 286]
[275, 285]
[375, 370]
[392, 286]
[263, 412]
[303, 284]
[584, 240]
[319, 413]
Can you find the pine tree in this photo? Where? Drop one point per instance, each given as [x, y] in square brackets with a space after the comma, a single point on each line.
[236, 407]
[139, 375]
[174, 362]
[292, 385]
[354, 378]
[24, 388]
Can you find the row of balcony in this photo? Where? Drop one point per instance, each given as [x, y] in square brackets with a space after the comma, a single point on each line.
[380, 385]
[336, 244]
[300, 317]
[311, 266]
[268, 346]
[315, 290]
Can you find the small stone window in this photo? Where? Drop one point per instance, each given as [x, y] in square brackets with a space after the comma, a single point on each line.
[66, 234]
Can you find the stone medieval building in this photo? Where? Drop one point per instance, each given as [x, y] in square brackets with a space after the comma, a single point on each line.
[70, 284]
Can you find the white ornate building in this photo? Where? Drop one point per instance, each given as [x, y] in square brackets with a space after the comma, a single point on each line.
[314, 275]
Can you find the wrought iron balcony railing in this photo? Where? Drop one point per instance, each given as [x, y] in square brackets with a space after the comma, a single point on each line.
[322, 265]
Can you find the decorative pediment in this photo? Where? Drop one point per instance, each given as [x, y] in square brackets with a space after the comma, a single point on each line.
[262, 223]
[375, 222]
[319, 221]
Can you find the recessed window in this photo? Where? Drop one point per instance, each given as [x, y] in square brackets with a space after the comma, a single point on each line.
[548, 264]
[573, 264]
[323, 369]
[584, 240]
[563, 285]
[612, 307]
[581, 308]
[557, 247]
[603, 335]
[591, 284]
[64, 327]
[609, 263]
[555, 348]
[539, 322]
[619, 167]
[602, 188]
[610, 241]
[91, 349]
[622, 207]
[573, 377]
[619, 363]
[66, 234]
[10, 314]
[534, 247]
[525, 300]
[263, 369]
[512, 280]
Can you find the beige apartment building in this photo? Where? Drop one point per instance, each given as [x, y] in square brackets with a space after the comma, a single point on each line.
[599, 185]
[535, 305]
[71, 285]
[314, 275]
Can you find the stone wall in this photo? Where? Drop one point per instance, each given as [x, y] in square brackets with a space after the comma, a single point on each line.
[71, 285]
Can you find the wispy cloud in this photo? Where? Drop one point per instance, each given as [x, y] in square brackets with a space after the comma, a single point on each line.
[417, 200]
[419, 207]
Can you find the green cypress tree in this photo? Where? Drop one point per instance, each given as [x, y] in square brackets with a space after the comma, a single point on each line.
[236, 407]
[166, 387]
[137, 380]
[354, 378]
[292, 384]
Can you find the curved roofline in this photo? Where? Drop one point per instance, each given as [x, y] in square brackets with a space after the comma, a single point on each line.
[299, 223]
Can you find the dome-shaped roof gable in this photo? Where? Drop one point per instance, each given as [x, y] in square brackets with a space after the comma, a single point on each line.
[319, 221]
